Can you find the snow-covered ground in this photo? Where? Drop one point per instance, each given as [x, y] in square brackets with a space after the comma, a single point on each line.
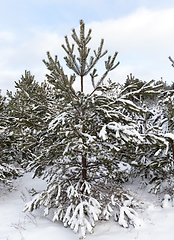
[157, 222]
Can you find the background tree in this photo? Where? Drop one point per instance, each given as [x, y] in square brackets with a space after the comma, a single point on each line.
[157, 161]
[29, 109]
[145, 156]
[164, 167]
[9, 155]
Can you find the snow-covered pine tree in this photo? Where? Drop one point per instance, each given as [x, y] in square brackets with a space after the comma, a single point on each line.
[152, 154]
[162, 167]
[164, 177]
[83, 146]
[153, 149]
[150, 158]
[133, 84]
[30, 111]
[9, 154]
[168, 102]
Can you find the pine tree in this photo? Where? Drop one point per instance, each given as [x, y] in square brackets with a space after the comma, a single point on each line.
[29, 109]
[9, 154]
[151, 159]
[163, 167]
[154, 156]
[145, 157]
[83, 150]
[164, 178]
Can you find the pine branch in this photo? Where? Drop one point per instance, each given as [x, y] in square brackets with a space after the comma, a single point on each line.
[171, 61]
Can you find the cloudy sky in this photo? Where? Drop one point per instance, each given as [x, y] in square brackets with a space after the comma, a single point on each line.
[142, 31]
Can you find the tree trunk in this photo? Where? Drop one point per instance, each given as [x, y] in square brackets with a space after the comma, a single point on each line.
[173, 152]
[84, 163]
[81, 83]
[84, 168]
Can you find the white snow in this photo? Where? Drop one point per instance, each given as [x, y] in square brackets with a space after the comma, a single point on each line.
[59, 118]
[103, 133]
[169, 135]
[167, 202]
[156, 221]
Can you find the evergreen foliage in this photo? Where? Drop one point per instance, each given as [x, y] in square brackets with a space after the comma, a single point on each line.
[88, 146]
[153, 156]
[9, 155]
[161, 168]
[164, 178]
[29, 109]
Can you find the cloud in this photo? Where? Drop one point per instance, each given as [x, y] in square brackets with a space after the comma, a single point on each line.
[144, 40]
[6, 37]
[143, 29]
[17, 57]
